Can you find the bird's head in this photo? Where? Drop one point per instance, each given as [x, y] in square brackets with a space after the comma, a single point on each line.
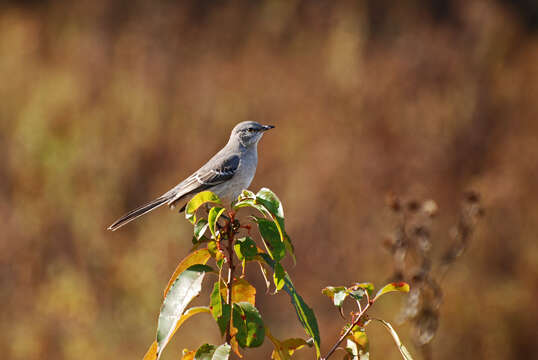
[249, 132]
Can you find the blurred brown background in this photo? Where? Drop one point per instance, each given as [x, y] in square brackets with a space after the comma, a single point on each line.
[105, 105]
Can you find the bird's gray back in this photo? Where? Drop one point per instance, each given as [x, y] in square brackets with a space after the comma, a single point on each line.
[235, 163]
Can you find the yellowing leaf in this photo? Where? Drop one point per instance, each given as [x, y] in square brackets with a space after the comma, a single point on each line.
[197, 201]
[213, 217]
[369, 287]
[212, 352]
[151, 354]
[395, 286]
[188, 355]
[290, 345]
[243, 291]
[245, 248]
[189, 313]
[360, 337]
[284, 349]
[249, 324]
[354, 351]
[357, 344]
[403, 350]
[337, 294]
[198, 257]
[304, 312]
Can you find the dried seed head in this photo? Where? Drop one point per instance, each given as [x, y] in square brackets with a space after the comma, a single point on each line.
[393, 202]
[430, 208]
[427, 323]
[472, 196]
[413, 205]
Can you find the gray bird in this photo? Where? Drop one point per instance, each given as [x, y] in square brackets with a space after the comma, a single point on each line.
[226, 174]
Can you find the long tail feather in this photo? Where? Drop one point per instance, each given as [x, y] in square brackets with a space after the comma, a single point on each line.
[144, 209]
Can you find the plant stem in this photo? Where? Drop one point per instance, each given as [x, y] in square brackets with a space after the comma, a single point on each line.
[355, 323]
[231, 270]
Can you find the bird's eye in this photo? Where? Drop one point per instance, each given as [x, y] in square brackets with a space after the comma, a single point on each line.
[251, 130]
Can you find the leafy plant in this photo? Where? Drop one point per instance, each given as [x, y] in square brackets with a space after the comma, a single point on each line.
[354, 333]
[232, 301]
[221, 240]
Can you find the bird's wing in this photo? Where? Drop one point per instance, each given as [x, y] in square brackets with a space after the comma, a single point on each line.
[216, 171]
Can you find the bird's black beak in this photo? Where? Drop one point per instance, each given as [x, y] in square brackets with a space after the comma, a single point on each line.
[267, 127]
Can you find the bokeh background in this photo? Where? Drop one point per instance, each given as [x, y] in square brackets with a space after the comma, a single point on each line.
[106, 104]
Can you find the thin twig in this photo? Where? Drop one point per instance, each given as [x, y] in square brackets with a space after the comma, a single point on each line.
[355, 323]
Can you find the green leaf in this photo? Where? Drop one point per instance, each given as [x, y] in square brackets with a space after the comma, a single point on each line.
[271, 238]
[219, 309]
[268, 204]
[246, 194]
[357, 294]
[213, 248]
[304, 312]
[358, 291]
[337, 294]
[403, 350]
[395, 286]
[205, 352]
[245, 249]
[211, 352]
[222, 352]
[278, 277]
[271, 202]
[289, 246]
[366, 286]
[216, 301]
[185, 288]
[200, 228]
[224, 320]
[249, 324]
[248, 199]
[197, 201]
[252, 203]
[213, 217]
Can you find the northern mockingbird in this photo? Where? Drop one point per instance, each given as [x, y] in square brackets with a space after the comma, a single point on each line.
[226, 174]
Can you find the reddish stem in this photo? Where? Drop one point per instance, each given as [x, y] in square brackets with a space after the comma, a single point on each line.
[230, 232]
[355, 322]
